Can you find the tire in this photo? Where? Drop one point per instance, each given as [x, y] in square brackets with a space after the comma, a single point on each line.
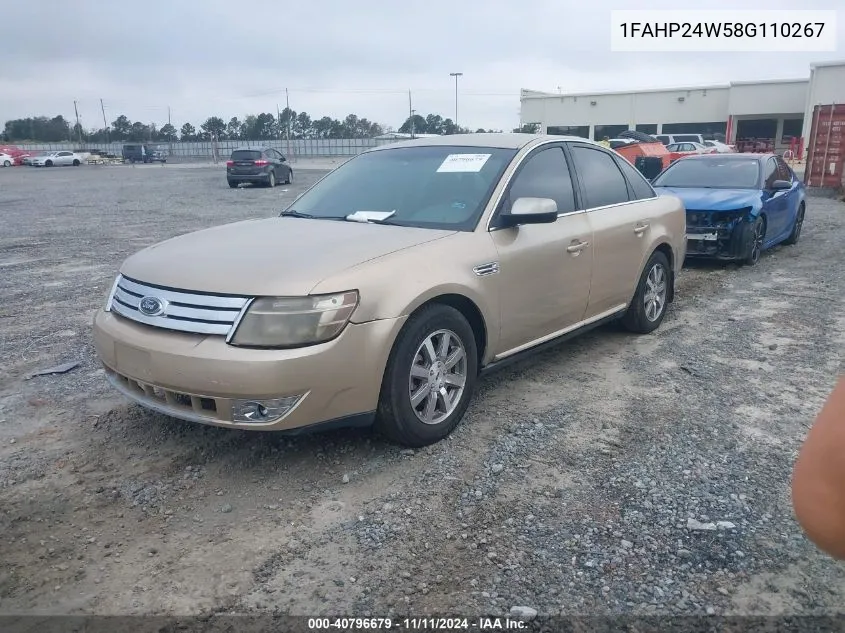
[756, 237]
[796, 228]
[232, 184]
[400, 420]
[76, 162]
[7, 163]
[648, 307]
[290, 177]
[48, 163]
[271, 179]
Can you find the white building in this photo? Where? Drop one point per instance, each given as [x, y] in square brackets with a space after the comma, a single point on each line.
[776, 110]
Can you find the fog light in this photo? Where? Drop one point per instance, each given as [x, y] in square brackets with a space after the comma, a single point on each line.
[262, 411]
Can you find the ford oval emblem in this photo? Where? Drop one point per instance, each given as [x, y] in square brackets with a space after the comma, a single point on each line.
[151, 306]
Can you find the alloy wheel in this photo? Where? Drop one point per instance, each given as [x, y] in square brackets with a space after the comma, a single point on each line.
[654, 297]
[438, 376]
[757, 245]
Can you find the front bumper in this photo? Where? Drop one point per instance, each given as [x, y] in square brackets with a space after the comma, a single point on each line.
[723, 241]
[200, 378]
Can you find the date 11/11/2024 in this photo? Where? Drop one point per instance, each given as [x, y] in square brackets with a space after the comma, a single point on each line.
[418, 624]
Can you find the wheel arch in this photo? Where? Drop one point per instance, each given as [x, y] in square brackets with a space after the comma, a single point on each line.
[666, 249]
[467, 307]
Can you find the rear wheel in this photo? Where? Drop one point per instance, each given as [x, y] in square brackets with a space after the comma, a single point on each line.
[76, 162]
[429, 378]
[755, 242]
[796, 228]
[648, 307]
[271, 179]
[7, 163]
[232, 184]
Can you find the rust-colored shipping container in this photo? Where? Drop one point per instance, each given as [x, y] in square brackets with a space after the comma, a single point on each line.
[826, 150]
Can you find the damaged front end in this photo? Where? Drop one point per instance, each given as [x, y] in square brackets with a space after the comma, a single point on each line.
[719, 234]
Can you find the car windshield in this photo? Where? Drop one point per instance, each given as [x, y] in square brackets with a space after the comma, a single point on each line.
[426, 186]
[709, 173]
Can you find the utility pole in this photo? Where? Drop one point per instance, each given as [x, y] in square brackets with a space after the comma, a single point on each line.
[411, 113]
[456, 75]
[287, 135]
[105, 125]
[78, 127]
[169, 135]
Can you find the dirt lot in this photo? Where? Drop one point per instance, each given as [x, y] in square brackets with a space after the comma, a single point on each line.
[567, 489]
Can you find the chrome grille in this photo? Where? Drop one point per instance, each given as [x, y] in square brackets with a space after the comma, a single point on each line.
[198, 313]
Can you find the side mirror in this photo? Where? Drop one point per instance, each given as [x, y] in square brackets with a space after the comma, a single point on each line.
[530, 211]
[780, 185]
[283, 159]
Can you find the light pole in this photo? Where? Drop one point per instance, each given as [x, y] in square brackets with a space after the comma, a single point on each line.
[456, 75]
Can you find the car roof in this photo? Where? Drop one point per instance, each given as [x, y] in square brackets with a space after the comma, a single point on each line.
[251, 148]
[495, 140]
[737, 156]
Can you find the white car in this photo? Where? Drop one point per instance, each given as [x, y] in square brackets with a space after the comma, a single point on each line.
[721, 148]
[56, 159]
[6, 160]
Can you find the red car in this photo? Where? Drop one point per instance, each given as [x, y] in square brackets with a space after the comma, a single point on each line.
[16, 153]
[679, 150]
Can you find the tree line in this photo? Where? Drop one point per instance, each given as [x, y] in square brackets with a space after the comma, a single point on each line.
[254, 127]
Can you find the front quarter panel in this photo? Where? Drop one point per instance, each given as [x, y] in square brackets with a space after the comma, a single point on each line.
[395, 285]
[668, 226]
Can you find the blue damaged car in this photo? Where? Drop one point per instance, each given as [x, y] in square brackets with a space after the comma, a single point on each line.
[738, 205]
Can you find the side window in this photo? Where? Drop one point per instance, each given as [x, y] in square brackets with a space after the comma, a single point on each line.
[663, 139]
[639, 184]
[771, 173]
[602, 181]
[544, 175]
[784, 172]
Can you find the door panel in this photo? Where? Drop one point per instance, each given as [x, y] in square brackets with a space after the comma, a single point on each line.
[774, 203]
[620, 225]
[545, 287]
[545, 268]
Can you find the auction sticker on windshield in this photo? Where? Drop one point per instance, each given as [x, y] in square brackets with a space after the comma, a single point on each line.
[463, 163]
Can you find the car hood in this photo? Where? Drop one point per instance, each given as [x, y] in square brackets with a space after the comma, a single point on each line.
[704, 199]
[272, 256]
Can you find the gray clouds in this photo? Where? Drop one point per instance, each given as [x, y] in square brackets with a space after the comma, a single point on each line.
[228, 58]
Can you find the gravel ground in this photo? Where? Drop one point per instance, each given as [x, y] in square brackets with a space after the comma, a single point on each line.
[616, 474]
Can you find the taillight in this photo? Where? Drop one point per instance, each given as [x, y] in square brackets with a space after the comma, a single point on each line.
[229, 163]
[261, 163]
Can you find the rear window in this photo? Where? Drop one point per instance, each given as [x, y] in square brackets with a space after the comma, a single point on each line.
[687, 138]
[246, 154]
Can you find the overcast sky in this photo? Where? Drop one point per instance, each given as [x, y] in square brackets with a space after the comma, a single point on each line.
[232, 58]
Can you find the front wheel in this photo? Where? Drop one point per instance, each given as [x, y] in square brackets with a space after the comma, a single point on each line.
[48, 163]
[755, 242]
[796, 228]
[290, 177]
[648, 307]
[76, 162]
[7, 163]
[429, 378]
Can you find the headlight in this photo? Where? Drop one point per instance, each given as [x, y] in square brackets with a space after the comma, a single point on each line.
[294, 321]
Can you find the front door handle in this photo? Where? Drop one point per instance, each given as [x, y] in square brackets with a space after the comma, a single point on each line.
[640, 228]
[576, 247]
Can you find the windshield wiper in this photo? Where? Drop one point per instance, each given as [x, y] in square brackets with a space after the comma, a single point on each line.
[291, 213]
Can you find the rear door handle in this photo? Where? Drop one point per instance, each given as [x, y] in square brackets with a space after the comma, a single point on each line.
[576, 247]
[640, 228]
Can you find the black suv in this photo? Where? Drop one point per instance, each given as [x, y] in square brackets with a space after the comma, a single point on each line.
[257, 165]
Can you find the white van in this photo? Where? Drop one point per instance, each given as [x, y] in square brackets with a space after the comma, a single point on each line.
[668, 139]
